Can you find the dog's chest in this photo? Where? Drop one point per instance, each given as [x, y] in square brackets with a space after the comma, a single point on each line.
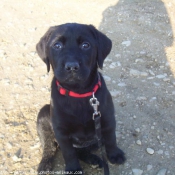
[83, 135]
[81, 110]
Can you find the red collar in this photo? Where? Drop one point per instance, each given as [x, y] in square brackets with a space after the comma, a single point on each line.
[66, 92]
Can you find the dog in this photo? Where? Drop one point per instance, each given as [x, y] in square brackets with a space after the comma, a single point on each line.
[75, 52]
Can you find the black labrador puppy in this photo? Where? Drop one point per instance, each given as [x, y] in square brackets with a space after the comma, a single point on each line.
[75, 51]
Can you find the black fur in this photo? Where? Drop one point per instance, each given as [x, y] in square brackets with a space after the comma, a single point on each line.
[75, 51]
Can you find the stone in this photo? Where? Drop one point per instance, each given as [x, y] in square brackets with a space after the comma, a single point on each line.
[137, 130]
[162, 172]
[16, 159]
[126, 43]
[115, 93]
[134, 72]
[161, 76]
[160, 151]
[107, 78]
[151, 72]
[149, 167]
[139, 61]
[139, 142]
[150, 151]
[121, 84]
[144, 74]
[137, 171]
[114, 65]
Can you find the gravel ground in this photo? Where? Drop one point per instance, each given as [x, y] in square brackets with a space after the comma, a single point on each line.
[140, 74]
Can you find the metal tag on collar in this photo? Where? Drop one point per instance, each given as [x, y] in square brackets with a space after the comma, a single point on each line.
[95, 103]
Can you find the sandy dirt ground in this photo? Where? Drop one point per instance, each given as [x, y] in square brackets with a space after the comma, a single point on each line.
[140, 74]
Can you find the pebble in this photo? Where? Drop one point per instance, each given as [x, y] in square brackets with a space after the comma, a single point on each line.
[134, 72]
[142, 52]
[114, 65]
[150, 151]
[149, 167]
[141, 98]
[108, 60]
[107, 78]
[137, 171]
[151, 72]
[16, 159]
[126, 43]
[134, 117]
[156, 84]
[139, 142]
[139, 61]
[166, 79]
[9, 145]
[160, 151]
[137, 130]
[161, 76]
[162, 172]
[118, 55]
[144, 74]
[121, 84]
[115, 93]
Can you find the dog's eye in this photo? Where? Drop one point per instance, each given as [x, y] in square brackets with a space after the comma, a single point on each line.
[85, 45]
[58, 45]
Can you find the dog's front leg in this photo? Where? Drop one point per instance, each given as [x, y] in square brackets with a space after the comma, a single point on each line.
[114, 154]
[69, 153]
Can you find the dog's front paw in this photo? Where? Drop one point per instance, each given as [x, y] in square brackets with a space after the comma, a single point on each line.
[117, 157]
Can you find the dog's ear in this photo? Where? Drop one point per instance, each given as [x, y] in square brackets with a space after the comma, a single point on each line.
[41, 47]
[104, 45]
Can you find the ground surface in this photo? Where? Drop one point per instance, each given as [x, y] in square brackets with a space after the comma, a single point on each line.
[140, 74]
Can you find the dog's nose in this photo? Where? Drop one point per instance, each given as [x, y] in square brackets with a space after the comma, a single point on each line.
[72, 66]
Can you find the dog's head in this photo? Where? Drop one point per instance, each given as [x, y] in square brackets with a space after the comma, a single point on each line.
[74, 51]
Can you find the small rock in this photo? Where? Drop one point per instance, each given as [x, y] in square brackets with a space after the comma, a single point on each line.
[16, 159]
[114, 65]
[141, 98]
[149, 167]
[108, 60]
[152, 127]
[134, 117]
[9, 145]
[156, 84]
[121, 84]
[171, 147]
[150, 151]
[150, 78]
[118, 55]
[137, 130]
[115, 93]
[142, 53]
[94, 166]
[144, 74]
[162, 172]
[134, 72]
[126, 43]
[106, 78]
[166, 79]
[161, 76]
[160, 151]
[139, 142]
[139, 61]
[137, 171]
[151, 72]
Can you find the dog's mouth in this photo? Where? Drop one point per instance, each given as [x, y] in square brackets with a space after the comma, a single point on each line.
[73, 77]
[70, 78]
